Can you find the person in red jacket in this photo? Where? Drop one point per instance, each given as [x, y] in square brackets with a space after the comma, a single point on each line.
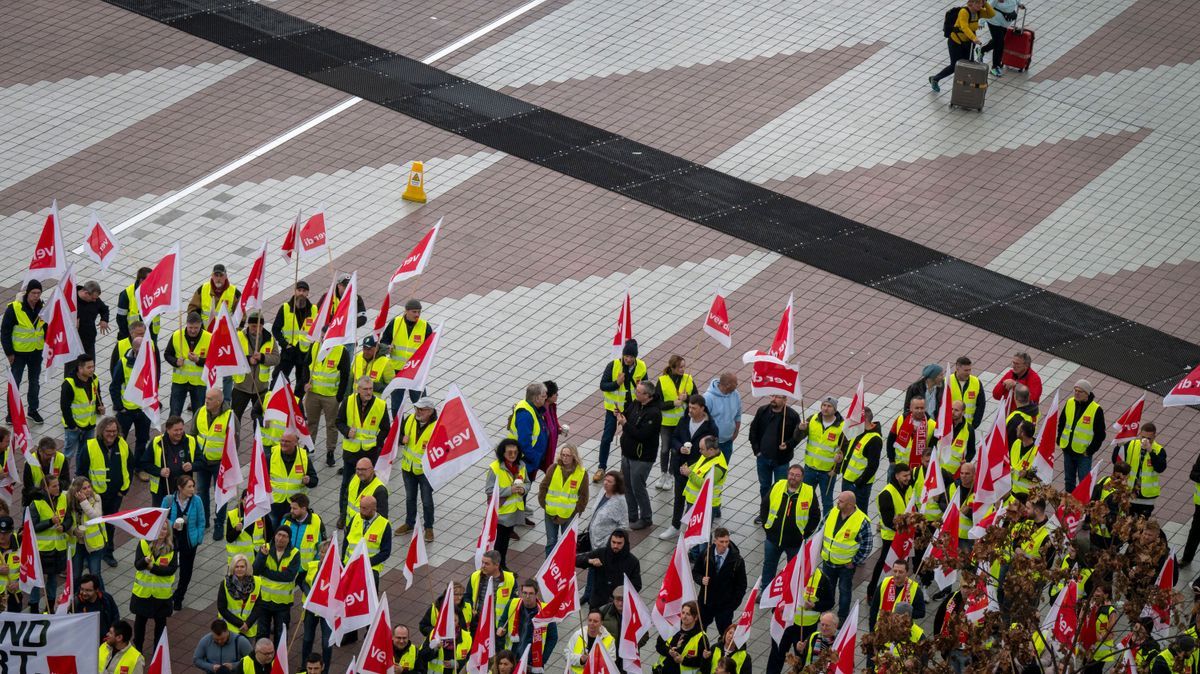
[1021, 373]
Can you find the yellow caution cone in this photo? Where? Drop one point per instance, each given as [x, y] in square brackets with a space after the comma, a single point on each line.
[415, 190]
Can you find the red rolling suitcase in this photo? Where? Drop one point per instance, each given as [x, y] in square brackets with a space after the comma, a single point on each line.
[1018, 46]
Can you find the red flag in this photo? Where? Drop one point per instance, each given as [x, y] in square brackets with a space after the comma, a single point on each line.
[559, 567]
[142, 386]
[560, 606]
[415, 559]
[445, 628]
[9, 477]
[487, 534]
[100, 245]
[844, 645]
[777, 588]
[160, 660]
[901, 547]
[258, 489]
[993, 477]
[381, 319]
[49, 259]
[698, 525]
[624, 331]
[322, 596]
[377, 656]
[1062, 621]
[312, 239]
[416, 260]
[934, 484]
[635, 623]
[229, 472]
[1186, 392]
[774, 379]
[355, 596]
[67, 288]
[483, 643]
[62, 603]
[856, 413]
[944, 546]
[978, 603]
[159, 293]
[30, 575]
[280, 664]
[225, 356]
[1129, 424]
[282, 406]
[289, 239]
[390, 449]
[716, 323]
[342, 327]
[317, 328]
[457, 442]
[782, 346]
[945, 414]
[599, 661]
[676, 589]
[1047, 444]
[415, 371]
[141, 523]
[741, 633]
[1165, 582]
[62, 336]
[21, 436]
[1072, 516]
[252, 291]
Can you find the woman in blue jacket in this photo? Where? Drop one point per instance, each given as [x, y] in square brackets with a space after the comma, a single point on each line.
[186, 516]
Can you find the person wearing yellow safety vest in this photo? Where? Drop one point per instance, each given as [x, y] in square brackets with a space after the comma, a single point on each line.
[504, 585]
[80, 403]
[290, 472]
[23, 334]
[406, 333]
[105, 463]
[155, 564]
[862, 459]
[363, 422]
[527, 425]
[1020, 456]
[117, 655]
[11, 597]
[371, 362]
[404, 651]
[416, 430]
[212, 295]
[241, 538]
[824, 450]
[897, 588]
[1081, 432]
[846, 545]
[821, 639]
[220, 649]
[445, 656]
[563, 493]
[129, 414]
[240, 598]
[48, 462]
[540, 639]
[171, 455]
[711, 460]
[675, 388]
[262, 354]
[720, 575]
[209, 427]
[966, 388]
[370, 526]
[910, 434]
[793, 513]
[683, 653]
[1176, 657]
[186, 351]
[685, 451]
[1023, 410]
[1098, 625]
[278, 566]
[364, 483]
[727, 650]
[87, 540]
[507, 473]
[617, 383]
[308, 531]
[290, 328]
[892, 502]
[324, 393]
[1147, 462]
[261, 661]
[579, 645]
[965, 490]
[961, 450]
[1106, 491]
[463, 614]
[52, 522]
[908, 660]
[128, 312]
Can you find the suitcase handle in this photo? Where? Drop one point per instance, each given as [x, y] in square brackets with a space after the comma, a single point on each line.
[1023, 11]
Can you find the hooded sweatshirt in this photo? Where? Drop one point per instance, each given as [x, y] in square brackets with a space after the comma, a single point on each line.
[724, 408]
[614, 566]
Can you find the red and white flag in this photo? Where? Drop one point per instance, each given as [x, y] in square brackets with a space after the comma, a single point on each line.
[697, 528]
[1072, 517]
[99, 243]
[390, 449]
[945, 413]
[444, 628]
[317, 328]
[159, 293]
[62, 604]
[283, 407]
[1186, 392]
[414, 263]
[322, 596]
[487, 533]
[30, 574]
[21, 442]
[782, 346]
[483, 642]
[67, 288]
[381, 319]
[342, 327]
[254, 288]
[741, 631]
[559, 567]
[415, 371]
[979, 603]
[376, 655]
[142, 386]
[901, 547]
[1047, 444]
[160, 660]
[49, 259]
[676, 589]
[777, 588]
[258, 489]
[635, 623]
[1159, 607]
[225, 356]
[309, 238]
[415, 558]
[1128, 425]
[944, 547]
[10, 477]
[141, 523]
[856, 413]
[280, 664]
[355, 596]
[934, 484]
[561, 606]
[62, 336]
[845, 644]
[1062, 621]
[599, 661]
[774, 379]
[229, 471]
[458, 440]
[789, 586]
[716, 323]
[993, 477]
[624, 331]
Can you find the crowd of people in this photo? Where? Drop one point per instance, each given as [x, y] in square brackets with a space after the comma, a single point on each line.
[664, 421]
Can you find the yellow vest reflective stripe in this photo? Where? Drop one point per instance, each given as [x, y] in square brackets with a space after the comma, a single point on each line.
[513, 502]
[189, 372]
[614, 401]
[414, 449]
[365, 428]
[856, 462]
[968, 397]
[1032, 546]
[11, 559]
[210, 305]
[840, 545]
[666, 385]
[243, 609]
[408, 660]
[808, 617]
[738, 657]
[563, 493]
[691, 490]
[898, 502]
[98, 468]
[462, 647]
[125, 664]
[123, 347]
[29, 333]
[512, 421]
[295, 332]
[211, 435]
[1106, 649]
[246, 542]
[952, 460]
[373, 533]
[156, 456]
[1018, 414]
[1078, 435]
[915, 633]
[404, 345]
[355, 491]
[310, 540]
[95, 536]
[146, 585]
[266, 345]
[804, 500]
[323, 372]
[1142, 473]
[690, 649]
[822, 444]
[274, 591]
[51, 540]
[1021, 460]
[135, 311]
[905, 595]
[284, 482]
[580, 644]
[83, 408]
[376, 370]
[56, 466]
[504, 592]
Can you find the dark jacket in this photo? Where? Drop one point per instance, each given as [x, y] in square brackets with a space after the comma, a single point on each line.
[88, 312]
[103, 604]
[1099, 428]
[66, 398]
[112, 458]
[765, 434]
[872, 451]
[681, 435]
[225, 614]
[385, 424]
[191, 342]
[152, 607]
[612, 570]
[783, 531]
[1010, 425]
[726, 586]
[918, 389]
[10, 321]
[682, 637]
[287, 574]
[639, 436]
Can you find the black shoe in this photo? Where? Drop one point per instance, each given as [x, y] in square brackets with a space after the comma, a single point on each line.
[111, 561]
[218, 535]
[178, 604]
[36, 418]
[341, 470]
[758, 520]
[329, 460]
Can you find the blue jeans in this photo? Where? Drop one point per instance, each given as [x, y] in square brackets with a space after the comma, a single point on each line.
[726, 448]
[35, 595]
[553, 531]
[206, 477]
[226, 390]
[412, 484]
[74, 440]
[1075, 468]
[771, 553]
[768, 474]
[89, 561]
[606, 438]
[821, 482]
[32, 361]
[189, 393]
[862, 495]
[843, 578]
[312, 623]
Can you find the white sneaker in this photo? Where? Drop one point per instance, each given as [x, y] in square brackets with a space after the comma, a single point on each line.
[661, 485]
[668, 533]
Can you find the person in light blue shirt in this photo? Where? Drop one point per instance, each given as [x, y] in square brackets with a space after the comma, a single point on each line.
[1006, 13]
[725, 409]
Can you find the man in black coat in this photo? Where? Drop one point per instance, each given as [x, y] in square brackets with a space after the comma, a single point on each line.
[720, 575]
[91, 599]
[611, 562]
[640, 423]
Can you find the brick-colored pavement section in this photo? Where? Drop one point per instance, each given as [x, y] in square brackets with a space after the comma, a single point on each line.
[1150, 295]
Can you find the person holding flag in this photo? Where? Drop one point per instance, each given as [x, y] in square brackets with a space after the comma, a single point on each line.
[504, 584]
[325, 392]
[105, 463]
[367, 524]
[862, 459]
[314, 623]
[683, 652]
[291, 473]
[128, 310]
[685, 443]
[539, 640]
[400, 341]
[259, 348]
[171, 456]
[209, 427]
[463, 613]
[129, 413]
[48, 462]
[1147, 461]
[372, 362]
[617, 383]
[793, 513]
[51, 520]
[186, 352]
[213, 294]
[711, 460]
[155, 565]
[23, 334]
[773, 439]
[445, 655]
[720, 571]
[580, 644]
[290, 329]
[278, 566]
[416, 430]
[242, 538]
[891, 503]
[896, 588]
[363, 422]
[910, 434]
[404, 651]
[80, 404]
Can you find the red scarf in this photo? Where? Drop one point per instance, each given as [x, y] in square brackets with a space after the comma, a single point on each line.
[915, 434]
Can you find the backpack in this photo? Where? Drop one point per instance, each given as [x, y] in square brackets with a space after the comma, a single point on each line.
[950, 20]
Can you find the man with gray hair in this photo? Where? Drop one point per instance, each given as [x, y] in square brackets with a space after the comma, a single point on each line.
[89, 307]
[527, 425]
[261, 660]
[640, 423]
[1021, 373]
